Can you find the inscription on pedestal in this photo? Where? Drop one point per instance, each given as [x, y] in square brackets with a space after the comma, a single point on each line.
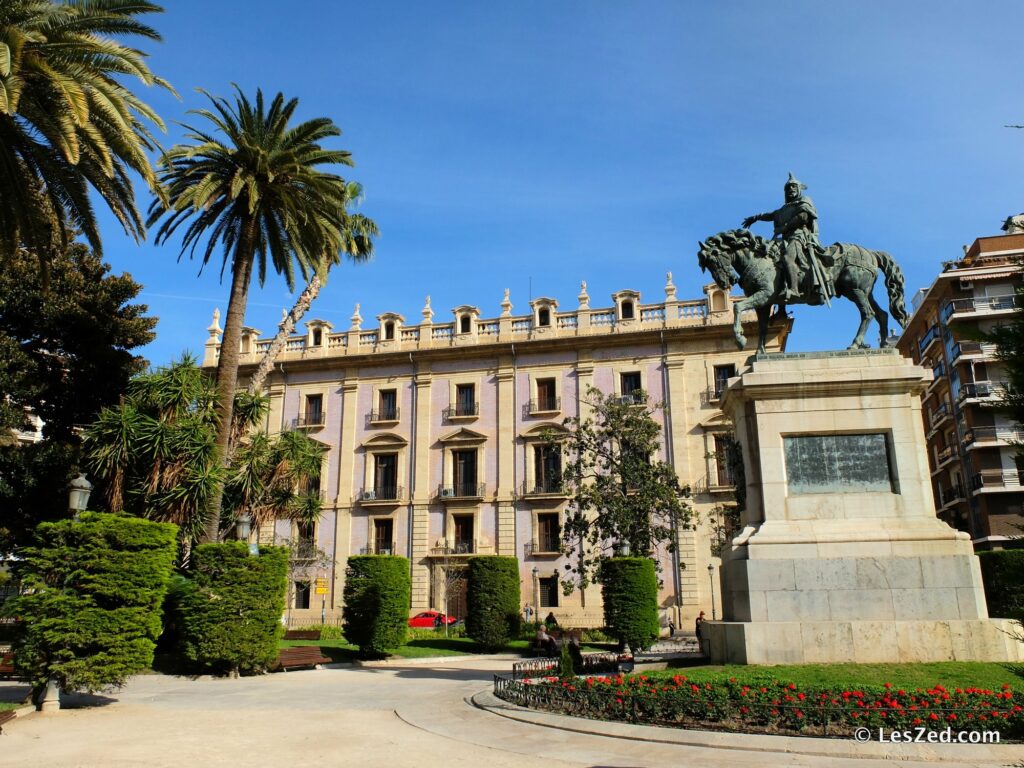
[857, 463]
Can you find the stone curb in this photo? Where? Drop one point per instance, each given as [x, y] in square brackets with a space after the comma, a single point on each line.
[810, 746]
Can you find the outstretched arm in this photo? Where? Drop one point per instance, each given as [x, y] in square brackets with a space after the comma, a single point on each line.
[758, 217]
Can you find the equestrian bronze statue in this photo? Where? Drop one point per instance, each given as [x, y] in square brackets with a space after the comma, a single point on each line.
[794, 268]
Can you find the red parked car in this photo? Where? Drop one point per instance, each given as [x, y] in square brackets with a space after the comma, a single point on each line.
[431, 619]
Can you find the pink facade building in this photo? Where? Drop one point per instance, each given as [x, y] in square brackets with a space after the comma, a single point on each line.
[433, 446]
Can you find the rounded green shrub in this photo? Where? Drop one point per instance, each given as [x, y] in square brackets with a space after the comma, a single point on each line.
[229, 610]
[629, 586]
[377, 597]
[1002, 572]
[493, 601]
[92, 611]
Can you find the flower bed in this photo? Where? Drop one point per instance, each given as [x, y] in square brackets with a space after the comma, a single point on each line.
[769, 707]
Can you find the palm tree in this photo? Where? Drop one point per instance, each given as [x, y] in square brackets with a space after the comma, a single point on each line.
[359, 247]
[67, 121]
[255, 189]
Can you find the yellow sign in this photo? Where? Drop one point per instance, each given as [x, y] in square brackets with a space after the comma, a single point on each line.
[321, 586]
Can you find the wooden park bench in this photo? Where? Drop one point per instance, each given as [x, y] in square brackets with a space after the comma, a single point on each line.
[5, 716]
[299, 657]
[6, 664]
[302, 634]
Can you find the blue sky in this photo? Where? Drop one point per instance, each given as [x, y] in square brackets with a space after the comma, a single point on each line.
[504, 145]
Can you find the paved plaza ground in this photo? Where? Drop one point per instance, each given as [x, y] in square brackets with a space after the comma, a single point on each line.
[414, 715]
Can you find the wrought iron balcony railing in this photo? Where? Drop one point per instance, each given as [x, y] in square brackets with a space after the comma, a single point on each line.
[928, 338]
[1007, 435]
[544, 405]
[549, 487]
[381, 493]
[544, 546]
[461, 491]
[383, 414]
[309, 420]
[460, 410]
[458, 547]
[379, 548]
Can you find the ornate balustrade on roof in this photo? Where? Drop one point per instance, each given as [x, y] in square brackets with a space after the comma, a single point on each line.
[581, 322]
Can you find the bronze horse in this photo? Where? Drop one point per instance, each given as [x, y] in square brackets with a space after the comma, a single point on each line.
[852, 272]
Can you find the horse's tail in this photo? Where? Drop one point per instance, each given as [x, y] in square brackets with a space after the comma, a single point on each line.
[894, 287]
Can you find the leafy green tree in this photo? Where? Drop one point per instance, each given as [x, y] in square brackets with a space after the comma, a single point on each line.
[68, 122]
[619, 493]
[155, 455]
[91, 614]
[66, 351]
[253, 186]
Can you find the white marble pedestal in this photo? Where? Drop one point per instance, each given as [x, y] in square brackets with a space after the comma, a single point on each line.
[841, 557]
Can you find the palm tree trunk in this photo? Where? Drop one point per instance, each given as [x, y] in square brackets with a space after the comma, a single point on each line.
[284, 330]
[227, 369]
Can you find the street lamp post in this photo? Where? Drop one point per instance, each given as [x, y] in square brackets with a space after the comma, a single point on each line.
[711, 582]
[536, 590]
[78, 495]
[243, 529]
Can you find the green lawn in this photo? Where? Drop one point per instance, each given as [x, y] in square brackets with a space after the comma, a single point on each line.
[951, 674]
[341, 650]
[5, 705]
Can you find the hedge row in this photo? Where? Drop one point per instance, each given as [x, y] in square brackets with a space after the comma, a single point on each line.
[493, 601]
[629, 586]
[377, 597]
[228, 612]
[1003, 574]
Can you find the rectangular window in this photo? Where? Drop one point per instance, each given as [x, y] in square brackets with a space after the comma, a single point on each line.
[546, 400]
[629, 383]
[463, 539]
[388, 402]
[301, 594]
[383, 537]
[465, 400]
[305, 535]
[312, 487]
[314, 414]
[548, 592]
[839, 463]
[722, 375]
[464, 472]
[549, 534]
[385, 475]
[318, 337]
[722, 445]
[547, 469]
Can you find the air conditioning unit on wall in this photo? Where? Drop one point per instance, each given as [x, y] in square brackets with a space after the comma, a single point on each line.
[369, 495]
[447, 492]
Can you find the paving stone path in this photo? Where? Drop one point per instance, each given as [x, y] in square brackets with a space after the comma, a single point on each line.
[414, 715]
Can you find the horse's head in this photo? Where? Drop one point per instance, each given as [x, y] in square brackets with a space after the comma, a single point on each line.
[717, 254]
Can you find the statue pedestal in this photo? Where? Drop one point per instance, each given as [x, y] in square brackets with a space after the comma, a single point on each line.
[841, 556]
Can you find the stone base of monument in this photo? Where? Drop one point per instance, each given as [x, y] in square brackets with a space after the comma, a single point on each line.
[841, 558]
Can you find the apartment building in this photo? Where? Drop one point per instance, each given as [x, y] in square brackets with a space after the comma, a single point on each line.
[971, 445]
[433, 436]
